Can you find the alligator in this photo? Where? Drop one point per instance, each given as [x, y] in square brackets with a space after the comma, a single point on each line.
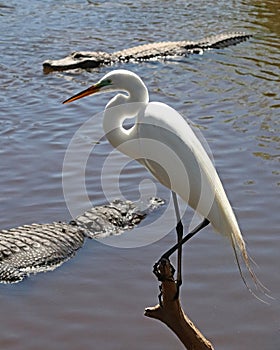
[34, 248]
[153, 51]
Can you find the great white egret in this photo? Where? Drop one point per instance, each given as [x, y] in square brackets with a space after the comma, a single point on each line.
[165, 144]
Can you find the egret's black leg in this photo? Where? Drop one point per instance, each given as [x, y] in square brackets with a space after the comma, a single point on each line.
[199, 227]
[180, 232]
[178, 247]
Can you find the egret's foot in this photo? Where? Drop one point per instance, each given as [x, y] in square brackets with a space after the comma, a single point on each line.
[159, 270]
[156, 271]
[161, 263]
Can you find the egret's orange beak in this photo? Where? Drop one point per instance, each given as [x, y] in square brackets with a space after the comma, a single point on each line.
[91, 90]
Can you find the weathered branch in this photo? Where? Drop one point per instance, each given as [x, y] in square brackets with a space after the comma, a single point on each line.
[161, 50]
[169, 310]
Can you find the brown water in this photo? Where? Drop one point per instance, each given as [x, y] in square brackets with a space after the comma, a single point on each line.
[97, 299]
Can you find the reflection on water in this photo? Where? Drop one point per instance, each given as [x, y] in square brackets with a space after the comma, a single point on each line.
[267, 14]
[231, 95]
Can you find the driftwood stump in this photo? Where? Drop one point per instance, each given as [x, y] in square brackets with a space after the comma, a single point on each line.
[169, 310]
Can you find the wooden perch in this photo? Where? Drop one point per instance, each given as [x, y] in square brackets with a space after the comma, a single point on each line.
[169, 310]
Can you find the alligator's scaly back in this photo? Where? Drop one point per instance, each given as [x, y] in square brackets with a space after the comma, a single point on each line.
[30, 249]
[140, 53]
[220, 41]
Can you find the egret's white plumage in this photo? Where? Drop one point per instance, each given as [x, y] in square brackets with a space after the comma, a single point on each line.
[165, 144]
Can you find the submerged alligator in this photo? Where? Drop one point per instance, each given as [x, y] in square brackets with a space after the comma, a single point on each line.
[30, 249]
[162, 50]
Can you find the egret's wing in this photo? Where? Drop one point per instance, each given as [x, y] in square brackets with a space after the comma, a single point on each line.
[175, 156]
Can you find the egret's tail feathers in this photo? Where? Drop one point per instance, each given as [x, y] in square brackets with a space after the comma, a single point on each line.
[241, 254]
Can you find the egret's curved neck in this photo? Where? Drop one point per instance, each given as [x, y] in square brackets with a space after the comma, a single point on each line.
[122, 107]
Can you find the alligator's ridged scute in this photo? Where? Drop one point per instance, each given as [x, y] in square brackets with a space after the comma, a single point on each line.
[111, 219]
[144, 52]
[221, 40]
[34, 248]
[30, 249]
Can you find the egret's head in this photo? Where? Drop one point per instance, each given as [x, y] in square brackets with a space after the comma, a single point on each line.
[116, 80]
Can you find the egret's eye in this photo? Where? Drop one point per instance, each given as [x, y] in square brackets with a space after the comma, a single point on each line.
[106, 82]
